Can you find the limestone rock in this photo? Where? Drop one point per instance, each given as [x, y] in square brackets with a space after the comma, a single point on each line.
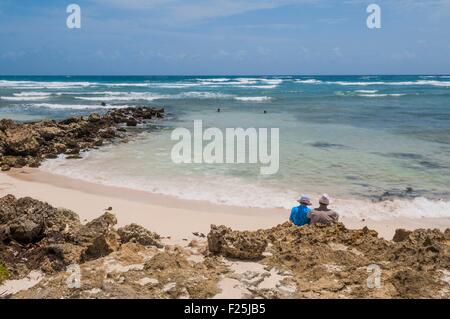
[138, 234]
[234, 244]
[102, 246]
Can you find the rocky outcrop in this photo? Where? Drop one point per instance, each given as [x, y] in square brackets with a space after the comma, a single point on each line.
[138, 234]
[30, 143]
[333, 261]
[234, 244]
[286, 261]
[37, 236]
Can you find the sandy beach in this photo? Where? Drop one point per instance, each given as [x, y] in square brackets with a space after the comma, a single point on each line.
[169, 216]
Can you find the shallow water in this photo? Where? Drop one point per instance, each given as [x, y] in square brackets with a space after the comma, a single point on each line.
[353, 137]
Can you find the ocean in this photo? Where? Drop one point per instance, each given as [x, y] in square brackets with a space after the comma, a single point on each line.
[379, 145]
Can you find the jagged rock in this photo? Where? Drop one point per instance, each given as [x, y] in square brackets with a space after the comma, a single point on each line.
[59, 147]
[102, 224]
[102, 246]
[131, 122]
[94, 117]
[49, 132]
[299, 262]
[34, 162]
[234, 244]
[27, 220]
[412, 284]
[99, 226]
[21, 141]
[138, 234]
[6, 124]
[25, 230]
[68, 253]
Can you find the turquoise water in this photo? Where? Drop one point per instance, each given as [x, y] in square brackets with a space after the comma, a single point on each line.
[355, 137]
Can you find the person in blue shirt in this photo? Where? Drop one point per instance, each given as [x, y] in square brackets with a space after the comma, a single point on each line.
[299, 214]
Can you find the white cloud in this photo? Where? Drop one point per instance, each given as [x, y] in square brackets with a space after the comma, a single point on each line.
[337, 51]
[201, 9]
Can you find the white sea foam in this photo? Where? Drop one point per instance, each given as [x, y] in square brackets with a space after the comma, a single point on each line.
[131, 96]
[309, 81]
[123, 97]
[382, 95]
[126, 84]
[367, 83]
[273, 86]
[253, 98]
[366, 91]
[202, 95]
[272, 81]
[30, 93]
[214, 80]
[236, 191]
[74, 106]
[23, 98]
[406, 83]
[412, 208]
[43, 84]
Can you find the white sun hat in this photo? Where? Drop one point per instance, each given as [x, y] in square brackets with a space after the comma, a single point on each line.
[325, 199]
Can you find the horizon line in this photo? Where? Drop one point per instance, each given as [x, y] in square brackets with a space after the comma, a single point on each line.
[191, 75]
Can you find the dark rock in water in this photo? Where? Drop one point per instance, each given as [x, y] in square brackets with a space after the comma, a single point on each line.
[325, 145]
[131, 122]
[73, 151]
[73, 157]
[5, 167]
[408, 192]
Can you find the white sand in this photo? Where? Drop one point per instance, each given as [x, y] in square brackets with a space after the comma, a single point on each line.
[166, 215]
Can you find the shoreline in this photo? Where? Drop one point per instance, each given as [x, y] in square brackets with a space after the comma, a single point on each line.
[174, 218]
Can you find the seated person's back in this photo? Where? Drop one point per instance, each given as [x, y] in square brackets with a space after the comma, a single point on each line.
[322, 214]
[299, 214]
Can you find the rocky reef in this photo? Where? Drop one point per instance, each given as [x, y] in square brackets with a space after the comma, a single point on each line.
[335, 262]
[57, 256]
[28, 144]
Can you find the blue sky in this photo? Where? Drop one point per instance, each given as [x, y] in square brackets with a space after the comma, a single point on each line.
[176, 37]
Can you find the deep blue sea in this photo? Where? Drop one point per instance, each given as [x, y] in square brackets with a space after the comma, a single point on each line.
[354, 137]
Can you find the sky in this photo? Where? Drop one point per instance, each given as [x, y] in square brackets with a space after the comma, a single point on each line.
[224, 37]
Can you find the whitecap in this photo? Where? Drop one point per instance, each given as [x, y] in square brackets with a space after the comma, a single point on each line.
[74, 106]
[253, 98]
[309, 81]
[23, 98]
